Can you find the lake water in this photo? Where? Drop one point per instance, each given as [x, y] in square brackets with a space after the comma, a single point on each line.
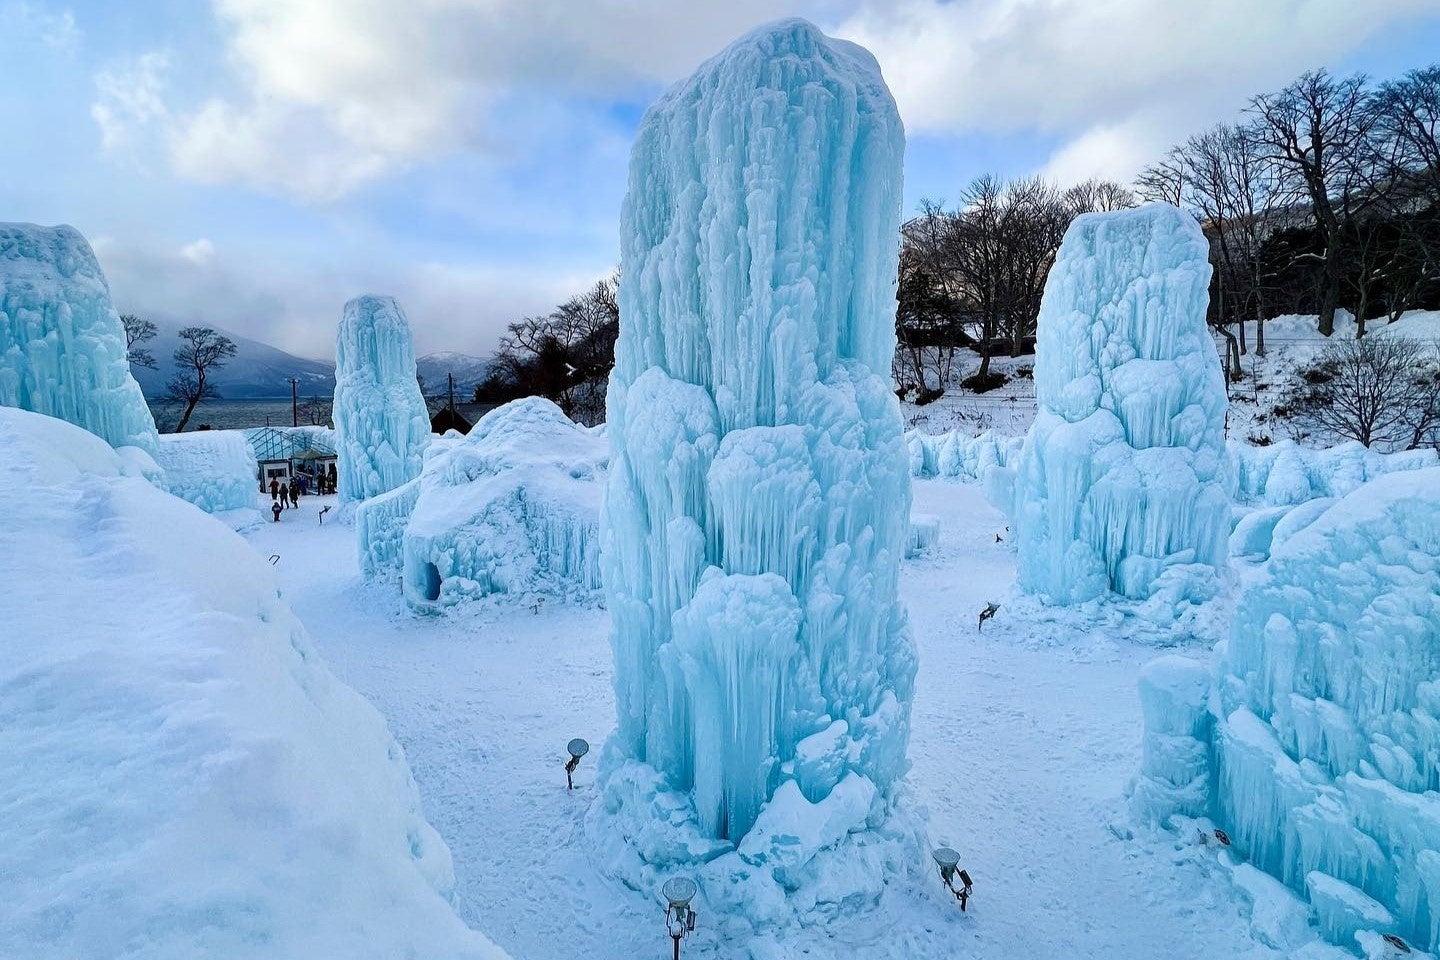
[244, 414]
[232, 414]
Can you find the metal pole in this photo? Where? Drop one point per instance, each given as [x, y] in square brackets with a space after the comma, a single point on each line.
[677, 946]
[294, 402]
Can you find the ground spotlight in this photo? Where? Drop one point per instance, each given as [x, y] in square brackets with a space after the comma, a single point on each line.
[947, 860]
[577, 748]
[679, 918]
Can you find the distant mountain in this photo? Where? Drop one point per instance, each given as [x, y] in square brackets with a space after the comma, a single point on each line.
[257, 371]
[468, 371]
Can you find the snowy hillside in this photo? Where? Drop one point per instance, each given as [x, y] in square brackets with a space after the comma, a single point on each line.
[1291, 342]
[181, 775]
[468, 371]
[257, 370]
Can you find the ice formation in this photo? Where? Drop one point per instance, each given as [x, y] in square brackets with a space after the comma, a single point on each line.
[957, 455]
[181, 774]
[1324, 760]
[213, 469]
[62, 346]
[380, 416]
[1121, 484]
[1284, 473]
[757, 504]
[511, 508]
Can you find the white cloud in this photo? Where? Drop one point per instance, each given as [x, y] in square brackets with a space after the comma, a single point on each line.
[200, 252]
[55, 29]
[130, 99]
[1119, 78]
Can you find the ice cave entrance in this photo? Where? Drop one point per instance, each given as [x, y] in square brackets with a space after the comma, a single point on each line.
[430, 586]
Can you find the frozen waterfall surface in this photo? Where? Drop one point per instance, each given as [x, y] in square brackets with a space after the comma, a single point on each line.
[1121, 486]
[62, 345]
[758, 495]
[381, 421]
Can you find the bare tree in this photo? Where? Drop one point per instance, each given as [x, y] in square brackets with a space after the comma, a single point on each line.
[1377, 390]
[137, 333]
[1318, 131]
[202, 351]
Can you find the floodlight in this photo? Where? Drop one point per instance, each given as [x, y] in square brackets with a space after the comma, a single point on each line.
[947, 860]
[577, 748]
[679, 918]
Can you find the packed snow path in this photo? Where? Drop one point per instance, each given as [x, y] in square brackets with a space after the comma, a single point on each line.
[1021, 752]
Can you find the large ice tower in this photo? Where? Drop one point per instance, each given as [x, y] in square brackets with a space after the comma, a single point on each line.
[1121, 484]
[757, 503]
[380, 416]
[62, 346]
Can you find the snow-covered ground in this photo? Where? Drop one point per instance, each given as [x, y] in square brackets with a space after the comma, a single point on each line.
[1021, 751]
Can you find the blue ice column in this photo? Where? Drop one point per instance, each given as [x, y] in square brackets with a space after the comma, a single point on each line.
[758, 496]
[62, 345]
[381, 420]
[1121, 485]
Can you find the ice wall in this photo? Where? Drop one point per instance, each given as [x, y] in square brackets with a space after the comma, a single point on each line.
[1324, 760]
[512, 508]
[381, 421]
[213, 469]
[1328, 755]
[1121, 483]
[62, 346]
[183, 776]
[758, 496]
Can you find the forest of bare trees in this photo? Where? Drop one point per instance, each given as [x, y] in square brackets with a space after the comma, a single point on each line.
[1321, 196]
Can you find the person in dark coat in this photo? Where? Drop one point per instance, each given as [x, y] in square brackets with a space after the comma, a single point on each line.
[274, 488]
[275, 509]
[294, 491]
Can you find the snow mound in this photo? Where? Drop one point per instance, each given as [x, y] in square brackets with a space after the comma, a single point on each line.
[181, 775]
[62, 346]
[1121, 483]
[1325, 757]
[758, 497]
[510, 509]
[213, 469]
[381, 422]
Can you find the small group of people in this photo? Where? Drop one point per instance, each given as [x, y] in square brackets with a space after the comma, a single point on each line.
[283, 493]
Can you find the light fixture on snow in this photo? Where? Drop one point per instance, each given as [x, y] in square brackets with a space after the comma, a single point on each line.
[947, 860]
[577, 748]
[679, 918]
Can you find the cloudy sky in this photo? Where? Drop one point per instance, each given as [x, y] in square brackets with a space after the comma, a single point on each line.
[251, 164]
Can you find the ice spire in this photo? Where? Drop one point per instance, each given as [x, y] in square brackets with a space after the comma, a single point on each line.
[1122, 479]
[62, 346]
[759, 491]
[380, 416]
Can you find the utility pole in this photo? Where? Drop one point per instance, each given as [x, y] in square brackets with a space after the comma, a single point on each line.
[450, 378]
[294, 402]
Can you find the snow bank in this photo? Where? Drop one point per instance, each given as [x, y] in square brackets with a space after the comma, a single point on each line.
[758, 498]
[511, 508]
[381, 422]
[181, 776]
[62, 346]
[1120, 484]
[1325, 758]
[213, 469]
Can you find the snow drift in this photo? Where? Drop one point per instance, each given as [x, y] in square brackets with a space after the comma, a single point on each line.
[1121, 484]
[381, 422]
[181, 776]
[757, 503]
[62, 346]
[511, 508]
